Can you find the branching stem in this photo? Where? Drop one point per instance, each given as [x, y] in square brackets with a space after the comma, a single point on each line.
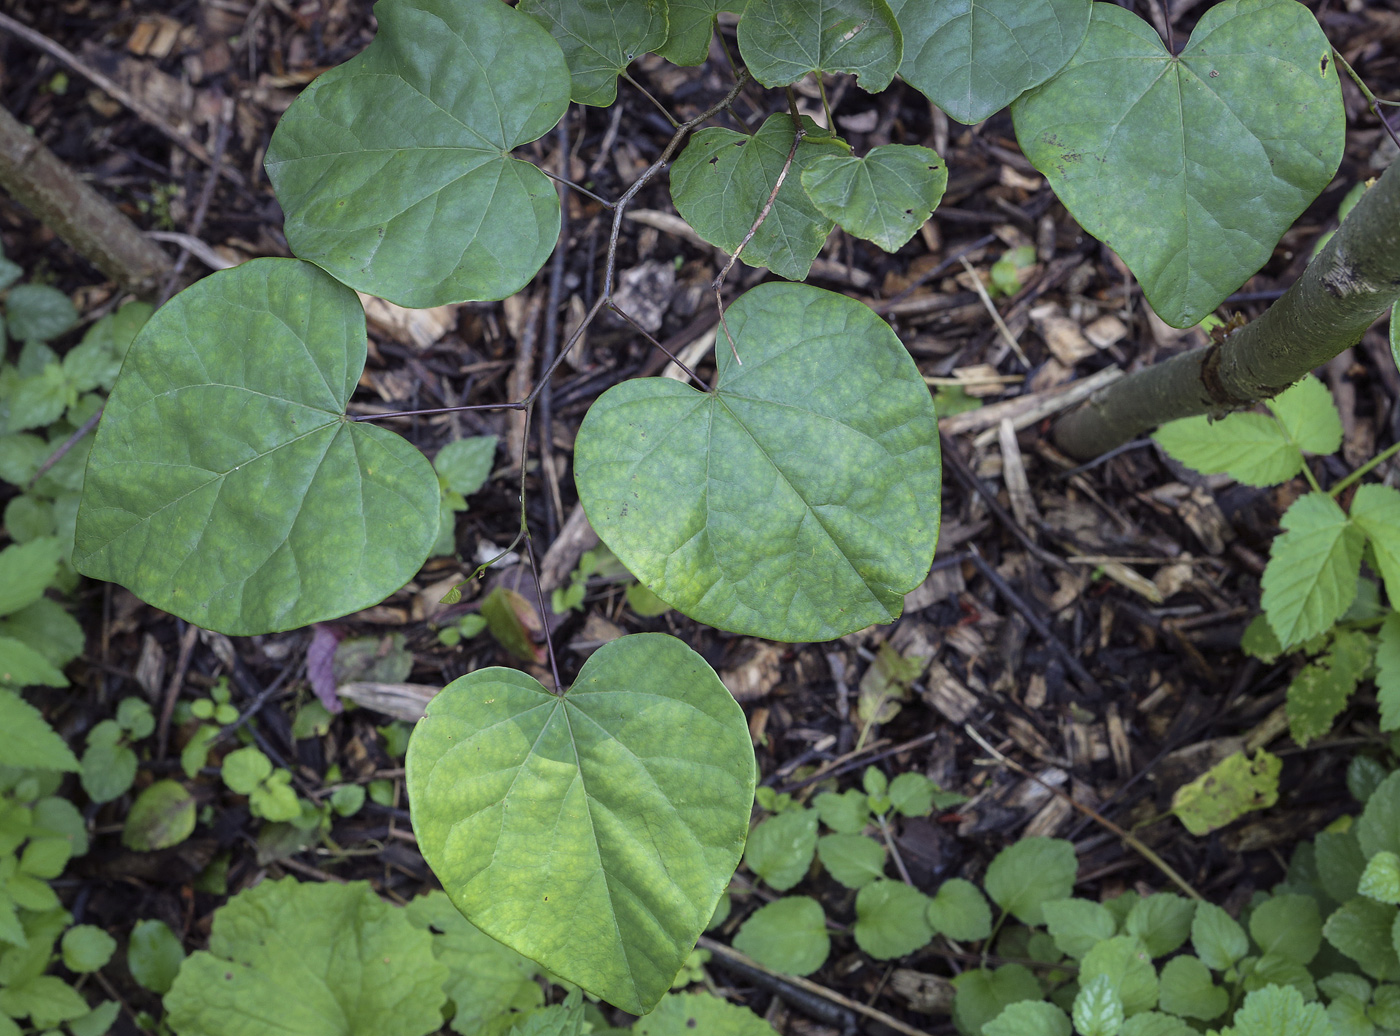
[1371, 99]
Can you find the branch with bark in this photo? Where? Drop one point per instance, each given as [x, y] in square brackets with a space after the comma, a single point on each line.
[1346, 288]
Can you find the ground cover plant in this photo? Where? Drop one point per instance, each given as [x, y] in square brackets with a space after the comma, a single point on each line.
[593, 830]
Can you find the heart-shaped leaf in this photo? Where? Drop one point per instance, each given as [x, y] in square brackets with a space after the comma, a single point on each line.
[884, 197]
[226, 484]
[974, 57]
[799, 501]
[593, 831]
[1190, 167]
[724, 178]
[600, 38]
[392, 167]
[692, 23]
[782, 40]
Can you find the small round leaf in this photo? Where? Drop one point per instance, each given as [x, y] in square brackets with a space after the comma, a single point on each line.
[787, 935]
[393, 167]
[799, 501]
[1030, 873]
[87, 948]
[1190, 167]
[154, 955]
[890, 919]
[227, 485]
[974, 58]
[592, 831]
[161, 816]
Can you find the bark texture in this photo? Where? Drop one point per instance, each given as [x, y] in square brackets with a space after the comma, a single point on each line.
[40, 181]
[1352, 283]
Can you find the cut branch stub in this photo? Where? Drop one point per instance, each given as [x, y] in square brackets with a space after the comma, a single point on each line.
[393, 168]
[226, 484]
[1191, 168]
[799, 501]
[592, 831]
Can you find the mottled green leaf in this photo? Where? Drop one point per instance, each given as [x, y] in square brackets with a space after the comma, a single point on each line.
[799, 500]
[787, 935]
[1231, 788]
[645, 770]
[393, 167]
[779, 849]
[1313, 564]
[1192, 166]
[783, 40]
[691, 24]
[330, 960]
[884, 197]
[228, 486]
[723, 179]
[162, 815]
[1381, 878]
[1098, 1009]
[974, 57]
[600, 38]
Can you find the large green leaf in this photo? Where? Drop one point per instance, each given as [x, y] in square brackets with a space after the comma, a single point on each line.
[799, 501]
[600, 38]
[691, 24]
[884, 197]
[974, 57]
[309, 960]
[593, 831]
[1310, 580]
[1190, 167]
[724, 178]
[227, 485]
[782, 40]
[392, 167]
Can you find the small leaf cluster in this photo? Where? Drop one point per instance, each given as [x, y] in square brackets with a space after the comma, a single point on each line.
[1315, 597]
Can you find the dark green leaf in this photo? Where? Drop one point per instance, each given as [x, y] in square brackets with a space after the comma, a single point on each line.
[162, 815]
[600, 38]
[393, 167]
[1217, 937]
[1187, 989]
[692, 23]
[973, 59]
[154, 955]
[37, 312]
[1379, 826]
[884, 197]
[982, 994]
[783, 40]
[1361, 928]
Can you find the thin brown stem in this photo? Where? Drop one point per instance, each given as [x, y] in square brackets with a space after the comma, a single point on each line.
[575, 187]
[650, 338]
[1371, 99]
[647, 94]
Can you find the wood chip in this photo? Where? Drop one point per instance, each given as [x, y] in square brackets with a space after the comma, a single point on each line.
[1013, 473]
[1105, 331]
[1026, 410]
[1051, 817]
[756, 676]
[927, 994]
[416, 328]
[947, 695]
[1126, 577]
[405, 701]
[667, 222]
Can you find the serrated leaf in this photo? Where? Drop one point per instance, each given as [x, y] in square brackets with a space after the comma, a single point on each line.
[332, 958]
[1027, 874]
[1029, 1018]
[780, 849]
[1187, 989]
[983, 994]
[1381, 878]
[847, 812]
[1339, 863]
[22, 666]
[1078, 925]
[1309, 416]
[1125, 961]
[45, 999]
[853, 860]
[724, 178]
[1315, 697]
[788, 935]
[783, 40]
[393, 168]
[600, 38]
[1385, 1011]
[1361, 929]
[1098, 1010]
[884, 197]
[799, 500]
[960, 911]
[1231, 788]
[1376, 511]
[973, 59]
[1289, 926]
[912, 793]
[1280, 1011]
[1378, 828]
[1250, 448]
[26, 570]
[1217, 937]
[227, 486]
[38, 313]
[1190, 167]
[691, 25]
[1162, 921]
[690, 1014]
[1364, 776]
[1395, 333]
[29, 742]
[646, 769]
[890, 919]
[1154, 1023]
[1388, 671]
[1313, 564]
